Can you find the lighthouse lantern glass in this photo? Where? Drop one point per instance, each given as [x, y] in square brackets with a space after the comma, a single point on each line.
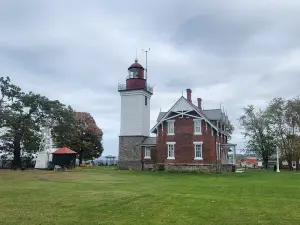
[133, 73]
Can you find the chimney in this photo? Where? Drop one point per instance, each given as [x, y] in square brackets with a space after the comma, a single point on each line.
[199, 103]
[189, 94]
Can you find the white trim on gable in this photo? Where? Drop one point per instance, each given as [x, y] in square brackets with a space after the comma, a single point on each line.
[180, 106]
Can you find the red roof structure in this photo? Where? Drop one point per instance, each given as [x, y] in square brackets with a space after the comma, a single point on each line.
[63, 151]
[136, 65]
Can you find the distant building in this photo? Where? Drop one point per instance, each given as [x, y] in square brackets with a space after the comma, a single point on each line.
[248, 161]
[187, 137]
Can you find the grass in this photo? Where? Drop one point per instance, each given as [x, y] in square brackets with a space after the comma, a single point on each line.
[107, 196]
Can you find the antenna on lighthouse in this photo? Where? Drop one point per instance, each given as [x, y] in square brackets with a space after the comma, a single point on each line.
[136, 53]
[146, 61]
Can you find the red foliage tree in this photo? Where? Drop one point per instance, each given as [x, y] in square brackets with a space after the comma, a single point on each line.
[89, 136]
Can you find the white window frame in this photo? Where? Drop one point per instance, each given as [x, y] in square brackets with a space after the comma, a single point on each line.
[171, 144]
[197, 143]
[195, 123]
[147, 156]
[171, 123]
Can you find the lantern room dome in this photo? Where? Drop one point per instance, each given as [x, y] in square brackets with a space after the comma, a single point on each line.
[136, 65]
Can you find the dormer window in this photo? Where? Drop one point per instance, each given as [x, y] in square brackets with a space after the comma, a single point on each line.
[171, 127]
[197, 127]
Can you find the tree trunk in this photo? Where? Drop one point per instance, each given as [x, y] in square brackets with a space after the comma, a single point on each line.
[17, 152]
[266, 162]
[297, 163]
[290, 163]
[80, 157]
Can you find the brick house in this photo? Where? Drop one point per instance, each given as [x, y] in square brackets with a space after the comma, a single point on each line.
[187, 137]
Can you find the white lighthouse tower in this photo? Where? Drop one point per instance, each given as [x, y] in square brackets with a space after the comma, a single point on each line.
[135, 116]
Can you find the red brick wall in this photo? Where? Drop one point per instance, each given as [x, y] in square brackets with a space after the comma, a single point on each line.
[184, 138]
[153, 155]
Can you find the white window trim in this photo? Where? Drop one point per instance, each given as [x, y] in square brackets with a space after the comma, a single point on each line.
[169, 122]
[147, 157]
[197, 120]
[171, 143]
[198, 143]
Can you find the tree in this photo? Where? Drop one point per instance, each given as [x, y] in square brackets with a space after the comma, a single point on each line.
[5, 89]
[285, 120]
[24, 115]
[229, 129]
[256, 125]
[83, 136]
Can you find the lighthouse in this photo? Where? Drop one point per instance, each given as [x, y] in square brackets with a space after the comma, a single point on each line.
[135, 116]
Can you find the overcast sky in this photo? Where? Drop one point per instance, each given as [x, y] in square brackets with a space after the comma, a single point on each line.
[237, 53]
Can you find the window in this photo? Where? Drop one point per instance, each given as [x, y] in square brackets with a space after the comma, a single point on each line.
[197, 126]
[171, 150]
[147, 153]
[198, 150]
[171, 127]
[146, 100]
[132, 74]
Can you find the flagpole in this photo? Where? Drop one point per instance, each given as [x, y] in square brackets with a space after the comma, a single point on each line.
[277, 153]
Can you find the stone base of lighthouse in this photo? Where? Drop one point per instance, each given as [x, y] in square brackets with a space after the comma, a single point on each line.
[130, 154]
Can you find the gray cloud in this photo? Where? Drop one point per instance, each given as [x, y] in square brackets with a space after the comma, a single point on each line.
[236, 53]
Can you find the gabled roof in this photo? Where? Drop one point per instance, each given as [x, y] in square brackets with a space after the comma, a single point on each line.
[149, 141]
[160, 115]
[211, 114]
[182, 104]
[216, 114]
[64, 150]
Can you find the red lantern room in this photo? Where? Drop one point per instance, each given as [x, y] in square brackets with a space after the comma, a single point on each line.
[136, 78]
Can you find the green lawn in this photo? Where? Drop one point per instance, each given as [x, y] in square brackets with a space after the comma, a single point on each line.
[107, 196]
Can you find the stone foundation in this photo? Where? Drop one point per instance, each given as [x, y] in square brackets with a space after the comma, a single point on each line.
[130, 152]
[148, 166]
[204, 168]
